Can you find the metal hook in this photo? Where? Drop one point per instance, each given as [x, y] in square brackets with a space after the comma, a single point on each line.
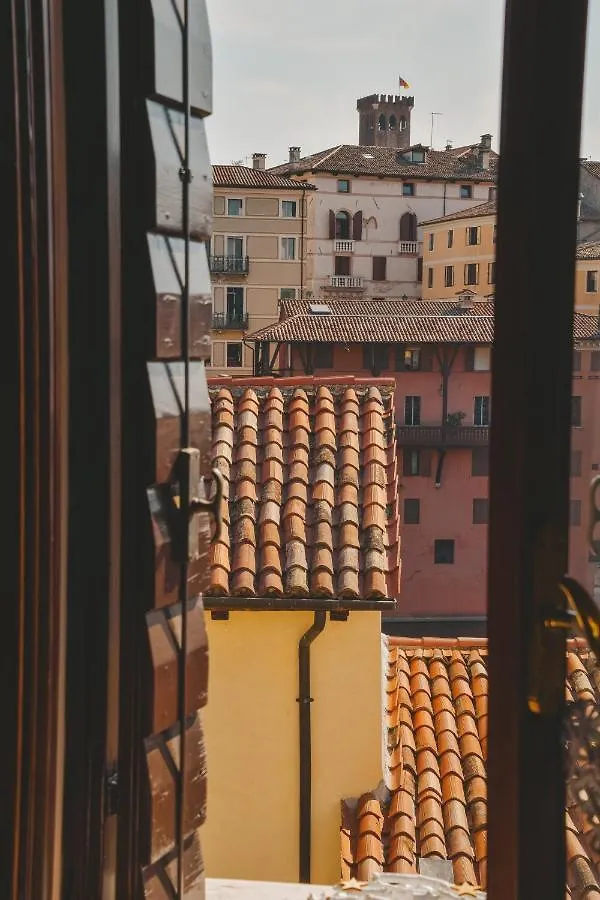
[213, 506]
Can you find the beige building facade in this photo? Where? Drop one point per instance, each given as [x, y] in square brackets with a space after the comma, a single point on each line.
[256, 256]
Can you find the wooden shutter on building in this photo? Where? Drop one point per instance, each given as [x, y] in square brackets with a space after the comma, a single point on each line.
[469, 358]
[357, 222]
[331, 225]
[427, 358]
[379, 268]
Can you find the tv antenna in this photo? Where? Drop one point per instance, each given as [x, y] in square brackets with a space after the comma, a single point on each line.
[432, 121]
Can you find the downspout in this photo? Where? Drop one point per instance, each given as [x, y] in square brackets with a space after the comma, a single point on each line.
[304, 701]
[302, 228]
[444, 198]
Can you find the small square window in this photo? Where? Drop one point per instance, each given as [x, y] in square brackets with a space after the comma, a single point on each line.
[448, 276]
[450, 238]
[466, 192]
[429, 277]
[576, 411]
[288, 248]
[408, 189]
[412, 512]
[343, 186]
[408, 359]
[575, 512]
[234, 207]
[235, 358]
[289, 209]
[591, 282]
[287, 293]
[480, 511]
[431, 240]
[443, 552]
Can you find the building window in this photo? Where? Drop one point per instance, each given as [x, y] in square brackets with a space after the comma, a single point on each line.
[382, 123]
[450, 238]
[392, 122]
[234, 207]
[342, 225]
[466, 192]
[376, 357]
[443, 552]
[408, 227]
[480, 462]
[481, 411]
[412, 512]
[235, 305]
[431, 240]
[591, 282]
[341, 265]
[287, 293]
[343, 186]
[323, 356]
[595, 360]
[577, 360]
[576, 411]
[412, 410]
[235, 355]
[379, 268]
[492, 273]
[448, 276]
[480, 511]
[575, 468]
[473, 235]
[288, 248]
[472, 273]
[289, 209]
[408, 189]
[420, 269]
[494, 233]
[575, 512]
[482, 359]
[408, 359]
[411, 462]
[430, 277]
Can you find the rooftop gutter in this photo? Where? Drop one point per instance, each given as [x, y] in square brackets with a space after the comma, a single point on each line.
[295, 604]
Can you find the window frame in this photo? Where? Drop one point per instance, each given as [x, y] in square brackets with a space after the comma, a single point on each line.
[282, 243]
[283, 206]
[480, 512]
[444, 547]
[341, 181]
[468, 267]
[414, 518]
[466, 191]
[431, 242]
[470, 231]
[408, 189]
[492, 272]
[429, 277]
[229, 344]
[412, 410]
[448, 269]
[237, 215]
[485, 411]
[450, 238]
[594, 279]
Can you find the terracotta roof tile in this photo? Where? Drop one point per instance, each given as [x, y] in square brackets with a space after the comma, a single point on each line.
[473, 212]
[588, 250]
[436, 719]
[309, 465]
[246, 177]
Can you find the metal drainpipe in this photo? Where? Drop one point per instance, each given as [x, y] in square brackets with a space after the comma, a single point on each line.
[304, 701]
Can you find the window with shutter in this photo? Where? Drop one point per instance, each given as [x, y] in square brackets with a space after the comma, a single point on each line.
[480, 511]
[408, 227]
[430, 277]
[577, 360]
[357, 220]
[576, 411]
[331, 225]
[379, 268]
[411, 462]
[443, 552]
[480, 462]
[341, 265]
[481, 410]
[323, 356]
[342, 225]
[420, 269]
[575, 469]
[412, 511]
[575, 512]
[448, 276]
[469, 359]
[412, 410]
[595, 361]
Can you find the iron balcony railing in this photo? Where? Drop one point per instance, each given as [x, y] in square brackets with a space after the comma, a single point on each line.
[237, 265]
[224, 321]
[443, 435]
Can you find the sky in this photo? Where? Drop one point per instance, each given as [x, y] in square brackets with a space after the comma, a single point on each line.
[289, 73]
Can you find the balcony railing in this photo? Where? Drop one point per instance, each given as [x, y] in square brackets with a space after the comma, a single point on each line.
[226, 322]
[354, 282]
[230, 265]
[343, 246]
[443, 436]
[409, 248]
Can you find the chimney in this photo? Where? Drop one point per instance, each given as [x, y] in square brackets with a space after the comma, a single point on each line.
[294, 154]
[448, 144]
[484, 151]
[258, 160]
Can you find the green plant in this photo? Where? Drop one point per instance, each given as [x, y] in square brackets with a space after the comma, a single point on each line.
[454, 420]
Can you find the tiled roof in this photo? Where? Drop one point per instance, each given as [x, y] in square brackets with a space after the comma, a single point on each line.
[473, 212]
[348, 159]
[592, 166]
[311, 500]
[394, 321]
[436, 802]
[244, 176]
[589, 250]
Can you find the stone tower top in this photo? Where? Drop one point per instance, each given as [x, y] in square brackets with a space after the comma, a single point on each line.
[384, 120]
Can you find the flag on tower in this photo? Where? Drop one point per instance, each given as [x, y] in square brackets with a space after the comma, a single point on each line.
[403, 83]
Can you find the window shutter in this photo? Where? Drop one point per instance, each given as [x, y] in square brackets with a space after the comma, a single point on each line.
[331, 225]
[399, 360]
[427, 359]
[426, 463]
[469, 359]
[367, 356]
[357, 225]
[379, 268]
[420, 269]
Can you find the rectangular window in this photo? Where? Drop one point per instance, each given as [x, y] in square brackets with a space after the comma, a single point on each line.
[494, 233]
[343, 186]
[575, 469]
[412, 410]
[466, 192]
[289, 209]
[412, 512]
[420, 269]
[431, 241]
[448, 276]
[379, 268]
[450, 238]
[287, 293]
[411, 462]
[235, 355]
[481, 410]
[575, 512]
[341, 265]
[577, 360]
[473, 235]
[482, 359]
[480, 511]
[408, 189]
[235, 305]
[408, 359]
[480, 462]
[576, 411]
[492, 273]
[595, 361]
[323, 356]
[591, 282]
[376, 357]
[430, 277]
[471, 273]
[288, 248]
[234, 207]
[443, 552]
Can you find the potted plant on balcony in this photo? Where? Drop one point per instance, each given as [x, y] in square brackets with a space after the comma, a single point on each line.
[454, 420]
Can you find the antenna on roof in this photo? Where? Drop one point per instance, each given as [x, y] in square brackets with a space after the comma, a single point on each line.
[431, 138]
[241, 162]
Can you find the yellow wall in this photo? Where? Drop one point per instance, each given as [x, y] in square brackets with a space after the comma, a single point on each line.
[587, 302]
[457, 255]
[251, 726]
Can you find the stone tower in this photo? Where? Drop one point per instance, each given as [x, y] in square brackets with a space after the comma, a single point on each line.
[384, 120]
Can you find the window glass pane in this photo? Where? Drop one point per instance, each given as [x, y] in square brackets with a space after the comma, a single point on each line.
[235, 354]
[288, 208]
[234, 207]
[343, 186]
[412, 512]
[443, 551]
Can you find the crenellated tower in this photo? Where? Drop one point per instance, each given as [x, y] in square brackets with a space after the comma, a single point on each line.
[384, 120]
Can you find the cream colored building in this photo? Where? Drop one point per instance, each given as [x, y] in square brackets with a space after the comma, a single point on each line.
[587, 278]
[256, 255]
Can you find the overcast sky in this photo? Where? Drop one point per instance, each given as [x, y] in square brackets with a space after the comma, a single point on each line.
[289, 73]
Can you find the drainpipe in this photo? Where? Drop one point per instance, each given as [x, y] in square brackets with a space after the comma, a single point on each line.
[302, 221]
[304, 701]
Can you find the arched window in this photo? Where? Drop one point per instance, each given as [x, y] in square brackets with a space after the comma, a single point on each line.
[402, 123]
[342, 225]
[382, 122]
[392, 123]
[408, 227]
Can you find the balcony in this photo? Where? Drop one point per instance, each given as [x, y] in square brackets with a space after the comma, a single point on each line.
[229, 265]
[409, 248]
[343, 246]
[440, 436]
[226, 322]
[350, 282]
